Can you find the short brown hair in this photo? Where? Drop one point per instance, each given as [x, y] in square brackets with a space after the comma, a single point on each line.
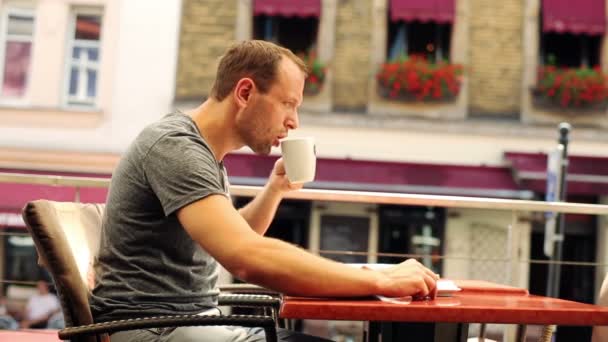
[256, 59]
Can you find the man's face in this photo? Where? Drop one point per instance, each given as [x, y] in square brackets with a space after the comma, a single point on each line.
[268, 117]
[43, 288]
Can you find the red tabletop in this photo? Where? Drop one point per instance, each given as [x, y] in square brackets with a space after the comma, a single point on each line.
[29, 336]
[476, 304]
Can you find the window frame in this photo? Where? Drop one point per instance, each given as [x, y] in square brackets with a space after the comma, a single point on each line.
[67, 100]
[8, 10]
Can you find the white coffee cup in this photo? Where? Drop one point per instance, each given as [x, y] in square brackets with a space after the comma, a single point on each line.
[299, 158]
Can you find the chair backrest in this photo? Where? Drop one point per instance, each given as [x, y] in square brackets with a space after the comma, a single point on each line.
[66, 236]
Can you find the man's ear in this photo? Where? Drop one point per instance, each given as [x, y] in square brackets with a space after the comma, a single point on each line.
[243, 90]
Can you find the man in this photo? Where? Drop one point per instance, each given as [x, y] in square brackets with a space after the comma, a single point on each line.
[40, 307]
[169, 219]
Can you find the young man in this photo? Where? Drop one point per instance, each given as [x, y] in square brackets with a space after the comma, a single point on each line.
[40, 307]
[169, 219]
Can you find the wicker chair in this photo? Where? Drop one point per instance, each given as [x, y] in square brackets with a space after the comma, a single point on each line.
[66, 235]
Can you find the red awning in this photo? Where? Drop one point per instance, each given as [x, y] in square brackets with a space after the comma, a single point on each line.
[577, 17]
[338, 174]
[295, 8]
[365, 175]
[586, 175]
[14, 196]
[439, 11]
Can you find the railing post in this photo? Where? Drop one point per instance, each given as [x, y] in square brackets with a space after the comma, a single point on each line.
[513, 246]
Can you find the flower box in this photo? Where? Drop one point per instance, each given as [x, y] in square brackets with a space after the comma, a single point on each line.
[316, 75]
[583, 89]
[413, 78]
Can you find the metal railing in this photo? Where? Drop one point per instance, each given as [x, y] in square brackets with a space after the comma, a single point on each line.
[348, 196]
[515, 206]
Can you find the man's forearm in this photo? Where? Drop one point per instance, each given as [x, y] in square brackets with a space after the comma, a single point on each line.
[34, 322]
[261, 210]
[288, 269]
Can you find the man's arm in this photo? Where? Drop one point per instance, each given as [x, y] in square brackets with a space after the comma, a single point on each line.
[285, 268]
[29, 323]
[26, 323]
[261, 210]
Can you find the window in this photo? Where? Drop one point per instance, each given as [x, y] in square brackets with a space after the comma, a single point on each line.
[17, 31]
[20, 256]
[292, 24]
[412, 230]
[83, 60]
[570, 50]
[347, 234]
[297, 34]
[570, 36]
[431, 40]
[420, 28]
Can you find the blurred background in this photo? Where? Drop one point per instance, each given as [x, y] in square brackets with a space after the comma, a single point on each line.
[447, 97]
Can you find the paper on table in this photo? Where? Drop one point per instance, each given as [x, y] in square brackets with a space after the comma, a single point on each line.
[396, 300]
[446, 287]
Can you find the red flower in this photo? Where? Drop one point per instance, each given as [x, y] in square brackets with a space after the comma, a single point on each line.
[417, 77]
[572, 87]
[316, 76]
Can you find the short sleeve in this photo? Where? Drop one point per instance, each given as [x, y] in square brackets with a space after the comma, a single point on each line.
[56, 304]
[181, 169]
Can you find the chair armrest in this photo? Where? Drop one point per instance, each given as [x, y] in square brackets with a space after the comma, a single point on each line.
[249, 300]
[252, 301]
[248, 289]
[172, 321]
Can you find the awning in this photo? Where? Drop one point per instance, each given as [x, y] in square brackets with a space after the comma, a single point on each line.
[292, 8]
[439, 11]
[586, 175]
[577, 17]
[336, 174]
[14, 196]
[365, 175]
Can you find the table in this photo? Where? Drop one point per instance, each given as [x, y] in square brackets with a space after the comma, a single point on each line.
[447, 318]
[29, 335]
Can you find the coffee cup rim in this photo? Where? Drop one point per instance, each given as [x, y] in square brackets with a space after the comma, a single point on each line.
[296, 138]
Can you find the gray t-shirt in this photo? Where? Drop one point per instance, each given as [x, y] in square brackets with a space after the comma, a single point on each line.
[148, 265]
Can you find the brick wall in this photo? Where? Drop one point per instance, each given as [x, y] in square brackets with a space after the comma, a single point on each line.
[207, 29]
[495, 66]
[351, 61]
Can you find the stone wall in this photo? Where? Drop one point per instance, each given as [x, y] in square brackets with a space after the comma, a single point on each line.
[351, 64]
[495, 66]
[207, 29]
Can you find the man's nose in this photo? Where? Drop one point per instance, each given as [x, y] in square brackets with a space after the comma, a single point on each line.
[293, 121]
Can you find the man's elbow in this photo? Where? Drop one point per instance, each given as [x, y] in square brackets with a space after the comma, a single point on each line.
[245, 271]
[244, 274]
[242, 264]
